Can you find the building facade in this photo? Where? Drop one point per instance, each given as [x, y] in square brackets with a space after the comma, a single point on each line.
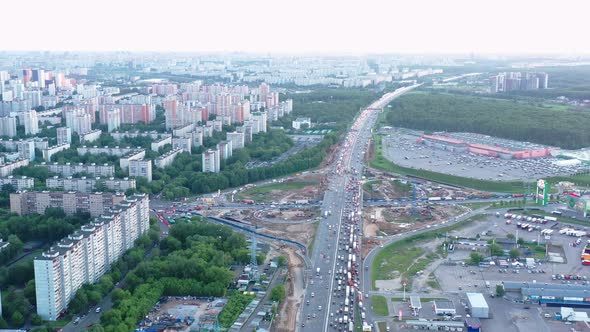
[27, 202]
[87, 254]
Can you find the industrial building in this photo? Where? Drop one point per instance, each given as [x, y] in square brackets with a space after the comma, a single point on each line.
[551, 294]
[444, 307]
[478, 305]
[457, 145]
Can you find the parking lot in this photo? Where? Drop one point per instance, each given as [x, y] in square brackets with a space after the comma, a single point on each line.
[401, 147]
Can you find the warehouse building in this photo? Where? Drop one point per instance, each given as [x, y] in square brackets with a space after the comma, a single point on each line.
[551, 294]
[478, 305]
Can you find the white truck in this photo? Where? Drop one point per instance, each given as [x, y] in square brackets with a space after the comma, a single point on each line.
[317, 271]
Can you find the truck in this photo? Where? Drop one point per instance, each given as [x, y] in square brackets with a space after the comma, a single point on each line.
[345, 319]
[248, 201]
[550, 218]
[317, 271]
[350, 326]
[434, 199]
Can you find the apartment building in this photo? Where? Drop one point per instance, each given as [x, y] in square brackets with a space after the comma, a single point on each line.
[8, 126]
[236, 139]
[27, 202]
[167, 159]
[90, 136]
[132, 155]
[161, 142]
[225, 149]
[184, 143]
[118, 135]
[69, 169]
[50, 151]
[87, 254]
[114, 151]
[18, 182]
[211, 161]
[88, 185]
[7, 168]
[64, 135]
[141, 168]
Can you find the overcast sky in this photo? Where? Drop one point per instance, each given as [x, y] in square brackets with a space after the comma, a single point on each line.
[298, 26]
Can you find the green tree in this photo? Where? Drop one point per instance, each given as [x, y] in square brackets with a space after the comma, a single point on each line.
[30, 293]
[17, 319]
[514, 253]
[281, 261]
[475, 258]
[520, 241]
[36, 319]
[278, 293]
[500, 290]
[496, 250]
[510, 236]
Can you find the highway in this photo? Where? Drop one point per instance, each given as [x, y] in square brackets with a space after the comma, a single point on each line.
[331, 290]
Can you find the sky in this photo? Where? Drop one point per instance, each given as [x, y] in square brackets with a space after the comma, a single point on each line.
[299, 26]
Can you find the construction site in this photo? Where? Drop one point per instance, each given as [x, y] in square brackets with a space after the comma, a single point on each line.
[390, 220]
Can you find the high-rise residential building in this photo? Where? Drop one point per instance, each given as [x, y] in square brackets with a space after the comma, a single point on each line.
[8, 126]
[18, 182]
[113, 119]
[87, 254]
[261, 118]
[184, 143]
[225, 149]
[64, 135]
[78, 120]
[23, 203]
[211, 161]
[236, 139]
[26, 149]
[30, 122]
[141, 168]
[171, 109]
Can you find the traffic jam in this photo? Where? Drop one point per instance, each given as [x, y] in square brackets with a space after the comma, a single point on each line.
[346, 293]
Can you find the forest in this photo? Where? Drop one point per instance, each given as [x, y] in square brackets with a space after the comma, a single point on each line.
[489, 116]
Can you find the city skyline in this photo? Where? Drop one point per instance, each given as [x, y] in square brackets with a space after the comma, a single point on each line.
[305, 27]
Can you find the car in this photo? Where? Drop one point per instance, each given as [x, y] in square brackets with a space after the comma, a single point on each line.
[98, 309]
[77, 320]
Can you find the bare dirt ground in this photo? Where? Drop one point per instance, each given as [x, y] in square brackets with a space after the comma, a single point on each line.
[302, 233]
[388, 189]
[383, 221]
[287, 317]
[291, 214]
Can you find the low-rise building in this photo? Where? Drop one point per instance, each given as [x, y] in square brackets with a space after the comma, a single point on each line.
[299, 122]
[167, 159]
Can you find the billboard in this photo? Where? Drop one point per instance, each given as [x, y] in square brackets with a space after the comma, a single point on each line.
[542, 197]
[580, 204]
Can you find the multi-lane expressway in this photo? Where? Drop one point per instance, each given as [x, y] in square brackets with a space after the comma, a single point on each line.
[332, 287]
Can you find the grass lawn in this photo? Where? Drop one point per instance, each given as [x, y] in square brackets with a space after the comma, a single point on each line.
[379, 304]
[399, 255]
[382, 326]
[494, 186]
[262, 193]
[538, 250]
[475, 206]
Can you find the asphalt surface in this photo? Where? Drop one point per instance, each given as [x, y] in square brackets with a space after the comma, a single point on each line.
[332, 283]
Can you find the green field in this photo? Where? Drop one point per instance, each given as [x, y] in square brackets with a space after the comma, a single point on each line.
[399, 255]
[380, 162]
[311, 244]
[379, 304]
[263, 194]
